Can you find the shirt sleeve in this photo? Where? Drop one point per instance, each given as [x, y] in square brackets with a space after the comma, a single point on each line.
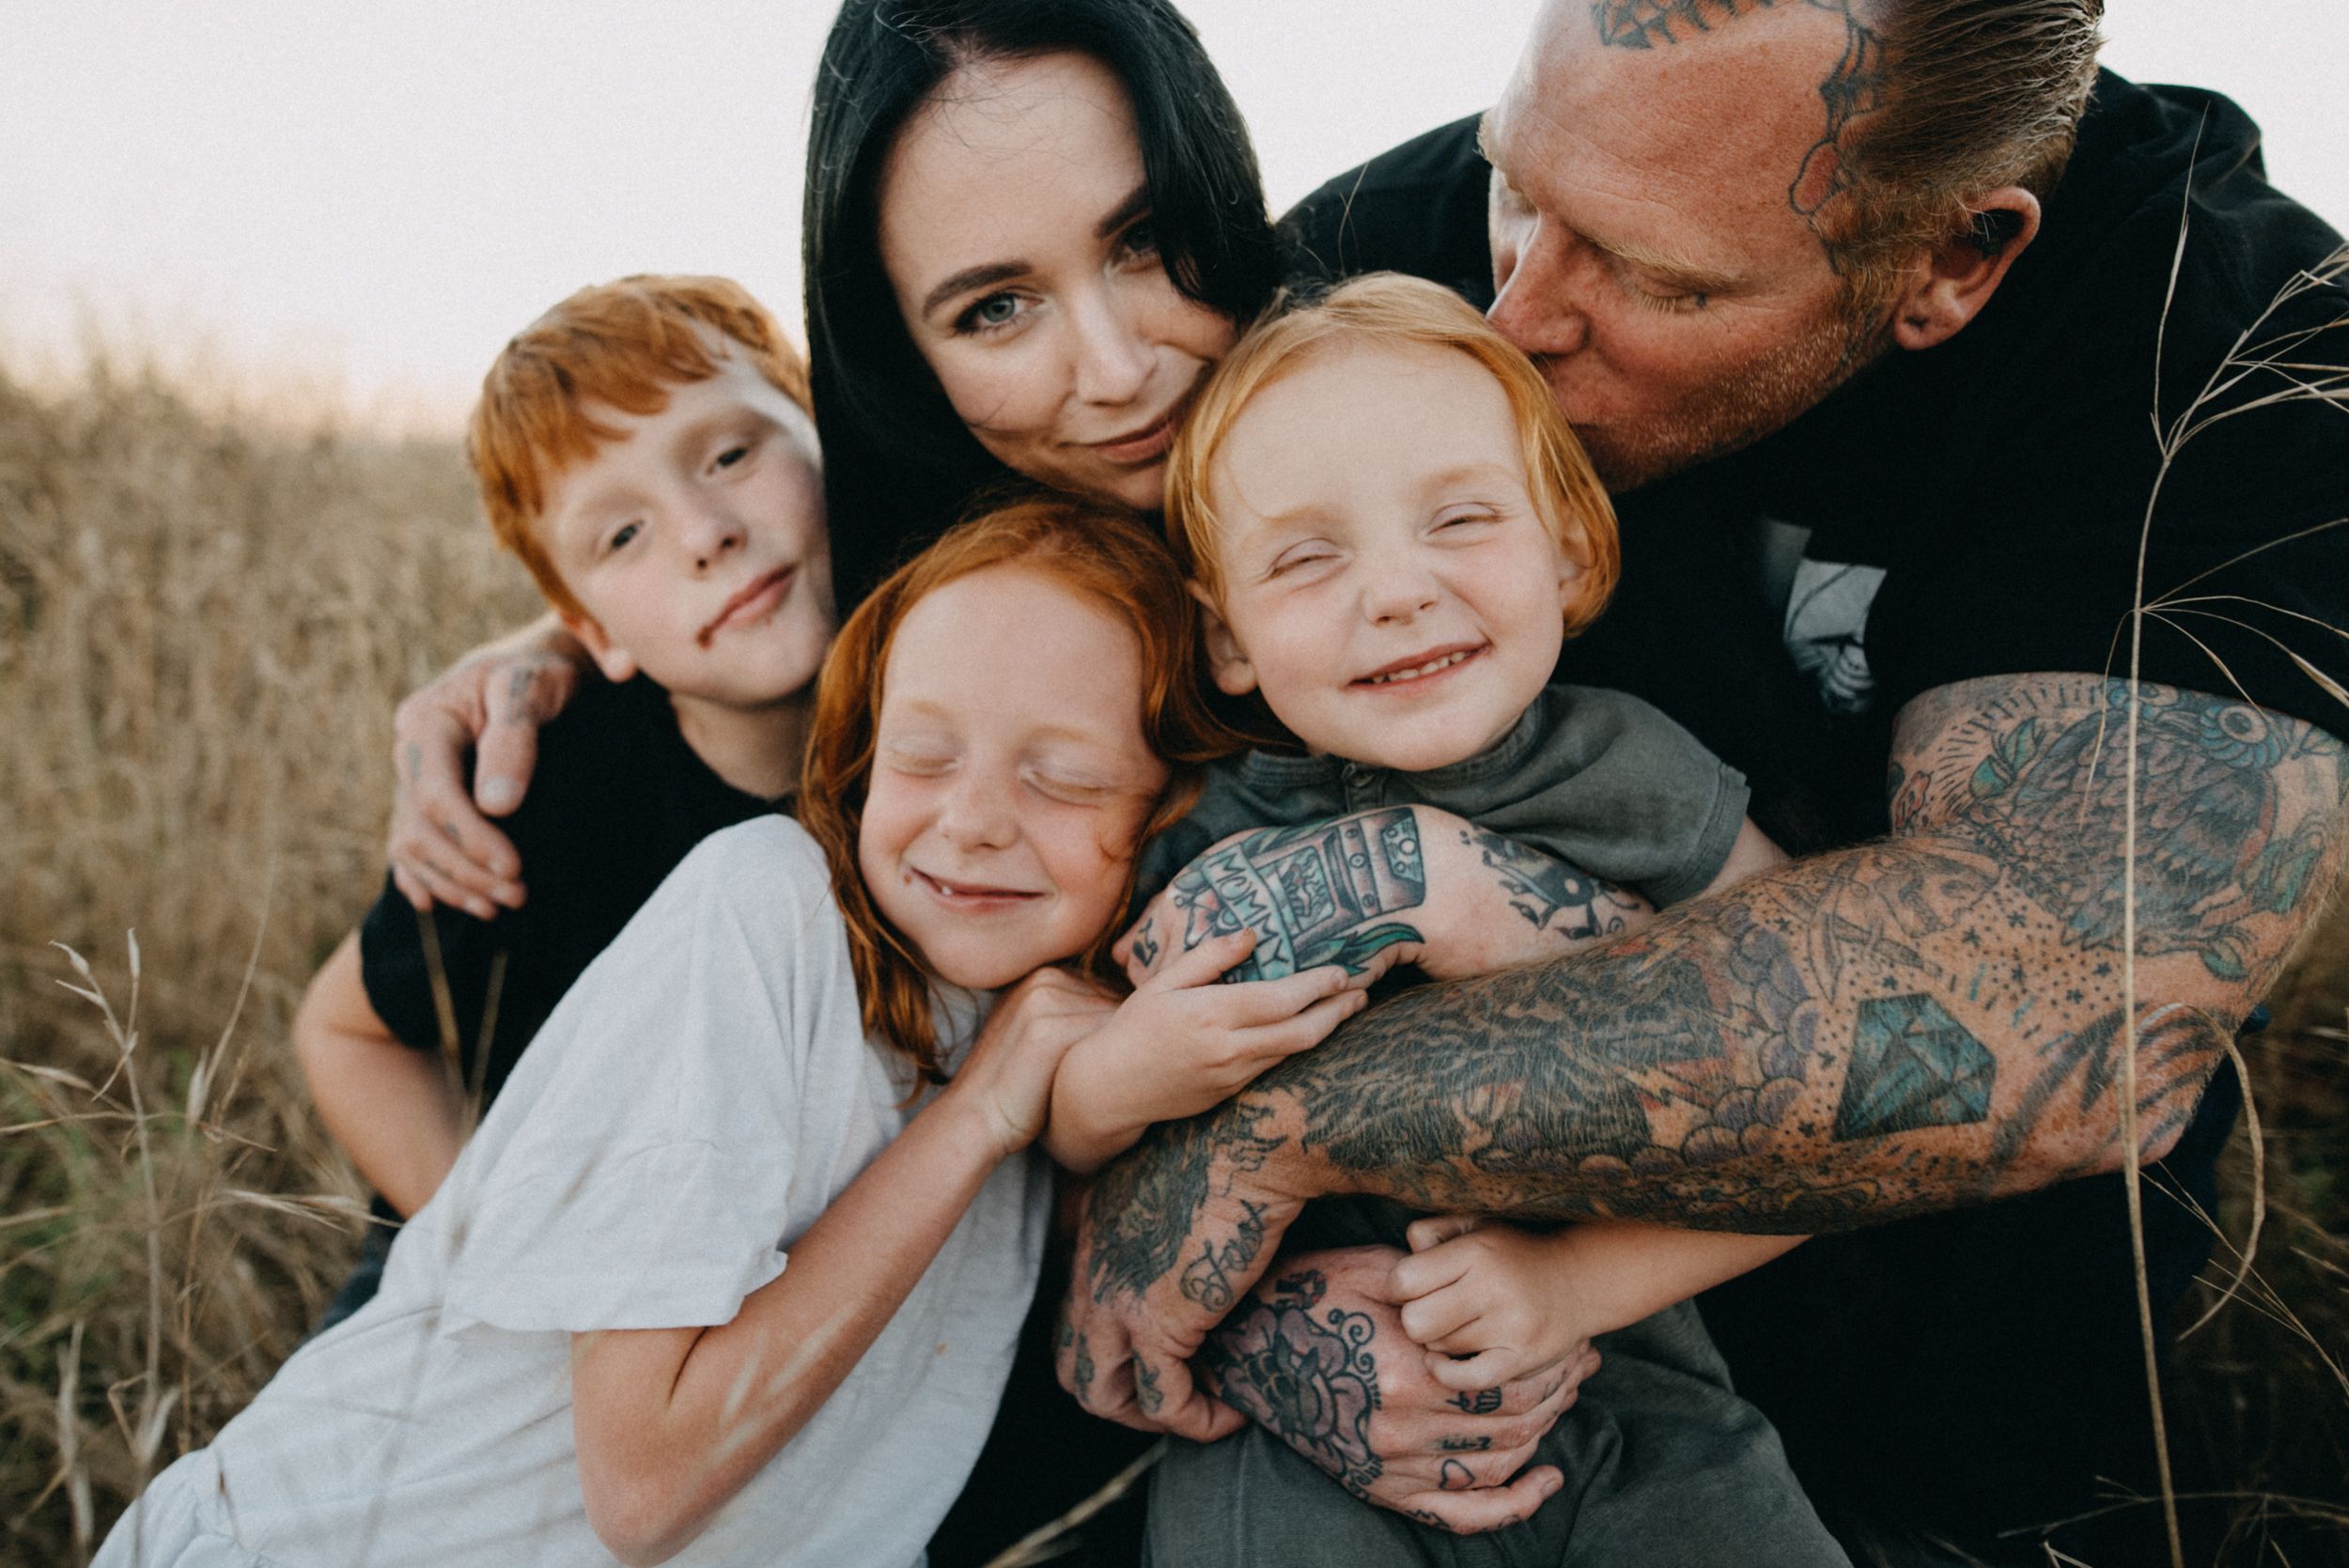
[638, 1170]
[1622, 793]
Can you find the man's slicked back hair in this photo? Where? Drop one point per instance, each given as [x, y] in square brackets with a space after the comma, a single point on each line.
[1971, 95]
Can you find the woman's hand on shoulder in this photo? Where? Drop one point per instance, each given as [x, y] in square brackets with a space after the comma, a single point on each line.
[490, 702]
[1007, 1076]
[1186, 1041]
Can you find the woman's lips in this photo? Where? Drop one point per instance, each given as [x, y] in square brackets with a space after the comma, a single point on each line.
[1147, 445]
[752, 600]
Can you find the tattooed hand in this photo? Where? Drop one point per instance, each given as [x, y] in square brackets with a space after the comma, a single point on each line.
[489, 702]
[1317, 1356]
[1330, 894]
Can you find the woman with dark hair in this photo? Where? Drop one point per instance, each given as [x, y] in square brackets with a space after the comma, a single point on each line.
[901, 458]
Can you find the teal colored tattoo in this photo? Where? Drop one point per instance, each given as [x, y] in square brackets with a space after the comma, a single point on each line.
[1314, 895]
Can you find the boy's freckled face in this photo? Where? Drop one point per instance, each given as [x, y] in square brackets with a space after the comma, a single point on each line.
[1010, 775]
[1388, 586]
[696, 543]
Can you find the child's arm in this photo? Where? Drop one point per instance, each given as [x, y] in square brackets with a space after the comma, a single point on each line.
[1183, 1042]
[1494, 1303]
[671, 1422]
[391, 1107]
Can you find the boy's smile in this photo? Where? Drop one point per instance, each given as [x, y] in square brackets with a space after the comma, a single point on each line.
[695, 542]
[1389, 584]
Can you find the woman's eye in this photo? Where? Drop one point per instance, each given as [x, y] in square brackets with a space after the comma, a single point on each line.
[993, 313]
[1141, 239]
[622, 536]
[1460, 519]
[732, 455]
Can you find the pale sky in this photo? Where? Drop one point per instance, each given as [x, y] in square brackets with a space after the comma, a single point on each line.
[362, 202]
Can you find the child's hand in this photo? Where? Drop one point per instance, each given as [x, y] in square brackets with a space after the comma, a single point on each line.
[1182, 1043]
[1007, 1078]
[1506, 1299]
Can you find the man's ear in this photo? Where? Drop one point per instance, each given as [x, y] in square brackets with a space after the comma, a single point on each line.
[1953, 280]
[613, 660]
[1227, 661]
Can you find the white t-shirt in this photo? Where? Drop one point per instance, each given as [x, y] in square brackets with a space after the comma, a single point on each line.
[697, 1099]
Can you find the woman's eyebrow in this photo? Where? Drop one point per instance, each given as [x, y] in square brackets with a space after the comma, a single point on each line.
[972, 277]
[1137, 202]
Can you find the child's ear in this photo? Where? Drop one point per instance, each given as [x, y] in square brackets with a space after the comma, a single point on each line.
[1573, 578]
[613, 660]
[1227, 661]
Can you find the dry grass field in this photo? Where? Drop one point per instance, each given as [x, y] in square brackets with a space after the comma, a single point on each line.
[204, 622]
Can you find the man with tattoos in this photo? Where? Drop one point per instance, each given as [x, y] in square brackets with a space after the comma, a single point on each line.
[1861, 306]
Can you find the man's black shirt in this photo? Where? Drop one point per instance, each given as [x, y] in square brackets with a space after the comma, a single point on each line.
[1972, 510]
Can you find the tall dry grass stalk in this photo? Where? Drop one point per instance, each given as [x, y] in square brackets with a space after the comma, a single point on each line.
[202, 631]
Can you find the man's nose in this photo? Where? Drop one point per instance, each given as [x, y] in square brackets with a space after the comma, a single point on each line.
[1539, 306]
[1112, 362]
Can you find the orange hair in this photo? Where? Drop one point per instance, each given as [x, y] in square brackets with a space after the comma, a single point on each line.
[1096, 551]
[1390, 311]
[620, 344]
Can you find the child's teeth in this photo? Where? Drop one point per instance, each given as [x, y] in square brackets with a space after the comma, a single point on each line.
[1427, 669]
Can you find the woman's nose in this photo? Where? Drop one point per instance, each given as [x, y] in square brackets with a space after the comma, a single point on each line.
[1113, 361]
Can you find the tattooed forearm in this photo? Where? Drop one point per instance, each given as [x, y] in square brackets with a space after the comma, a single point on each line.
[1304, 1373]
[1911, 1025]
[1552, 895]
[1314, 895]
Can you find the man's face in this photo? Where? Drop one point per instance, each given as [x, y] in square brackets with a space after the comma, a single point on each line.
[1650, 240]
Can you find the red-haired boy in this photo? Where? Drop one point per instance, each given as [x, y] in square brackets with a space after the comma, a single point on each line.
[646, 449]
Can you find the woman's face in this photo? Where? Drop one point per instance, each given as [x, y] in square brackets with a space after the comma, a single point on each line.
[1010, 775]
[1016, 233]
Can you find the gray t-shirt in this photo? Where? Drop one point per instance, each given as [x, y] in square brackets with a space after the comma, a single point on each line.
[1595, 778]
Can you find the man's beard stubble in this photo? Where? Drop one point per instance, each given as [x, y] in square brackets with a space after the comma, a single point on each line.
[1742, 403]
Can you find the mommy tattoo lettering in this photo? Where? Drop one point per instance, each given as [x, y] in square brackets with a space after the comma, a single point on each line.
[1303, 1374]
[1314, 895]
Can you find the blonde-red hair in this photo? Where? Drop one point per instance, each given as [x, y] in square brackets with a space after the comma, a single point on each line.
[623, 345]
[1096, 551]
[1388, 310]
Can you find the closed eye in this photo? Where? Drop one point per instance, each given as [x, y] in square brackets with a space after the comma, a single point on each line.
[1302, 559]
